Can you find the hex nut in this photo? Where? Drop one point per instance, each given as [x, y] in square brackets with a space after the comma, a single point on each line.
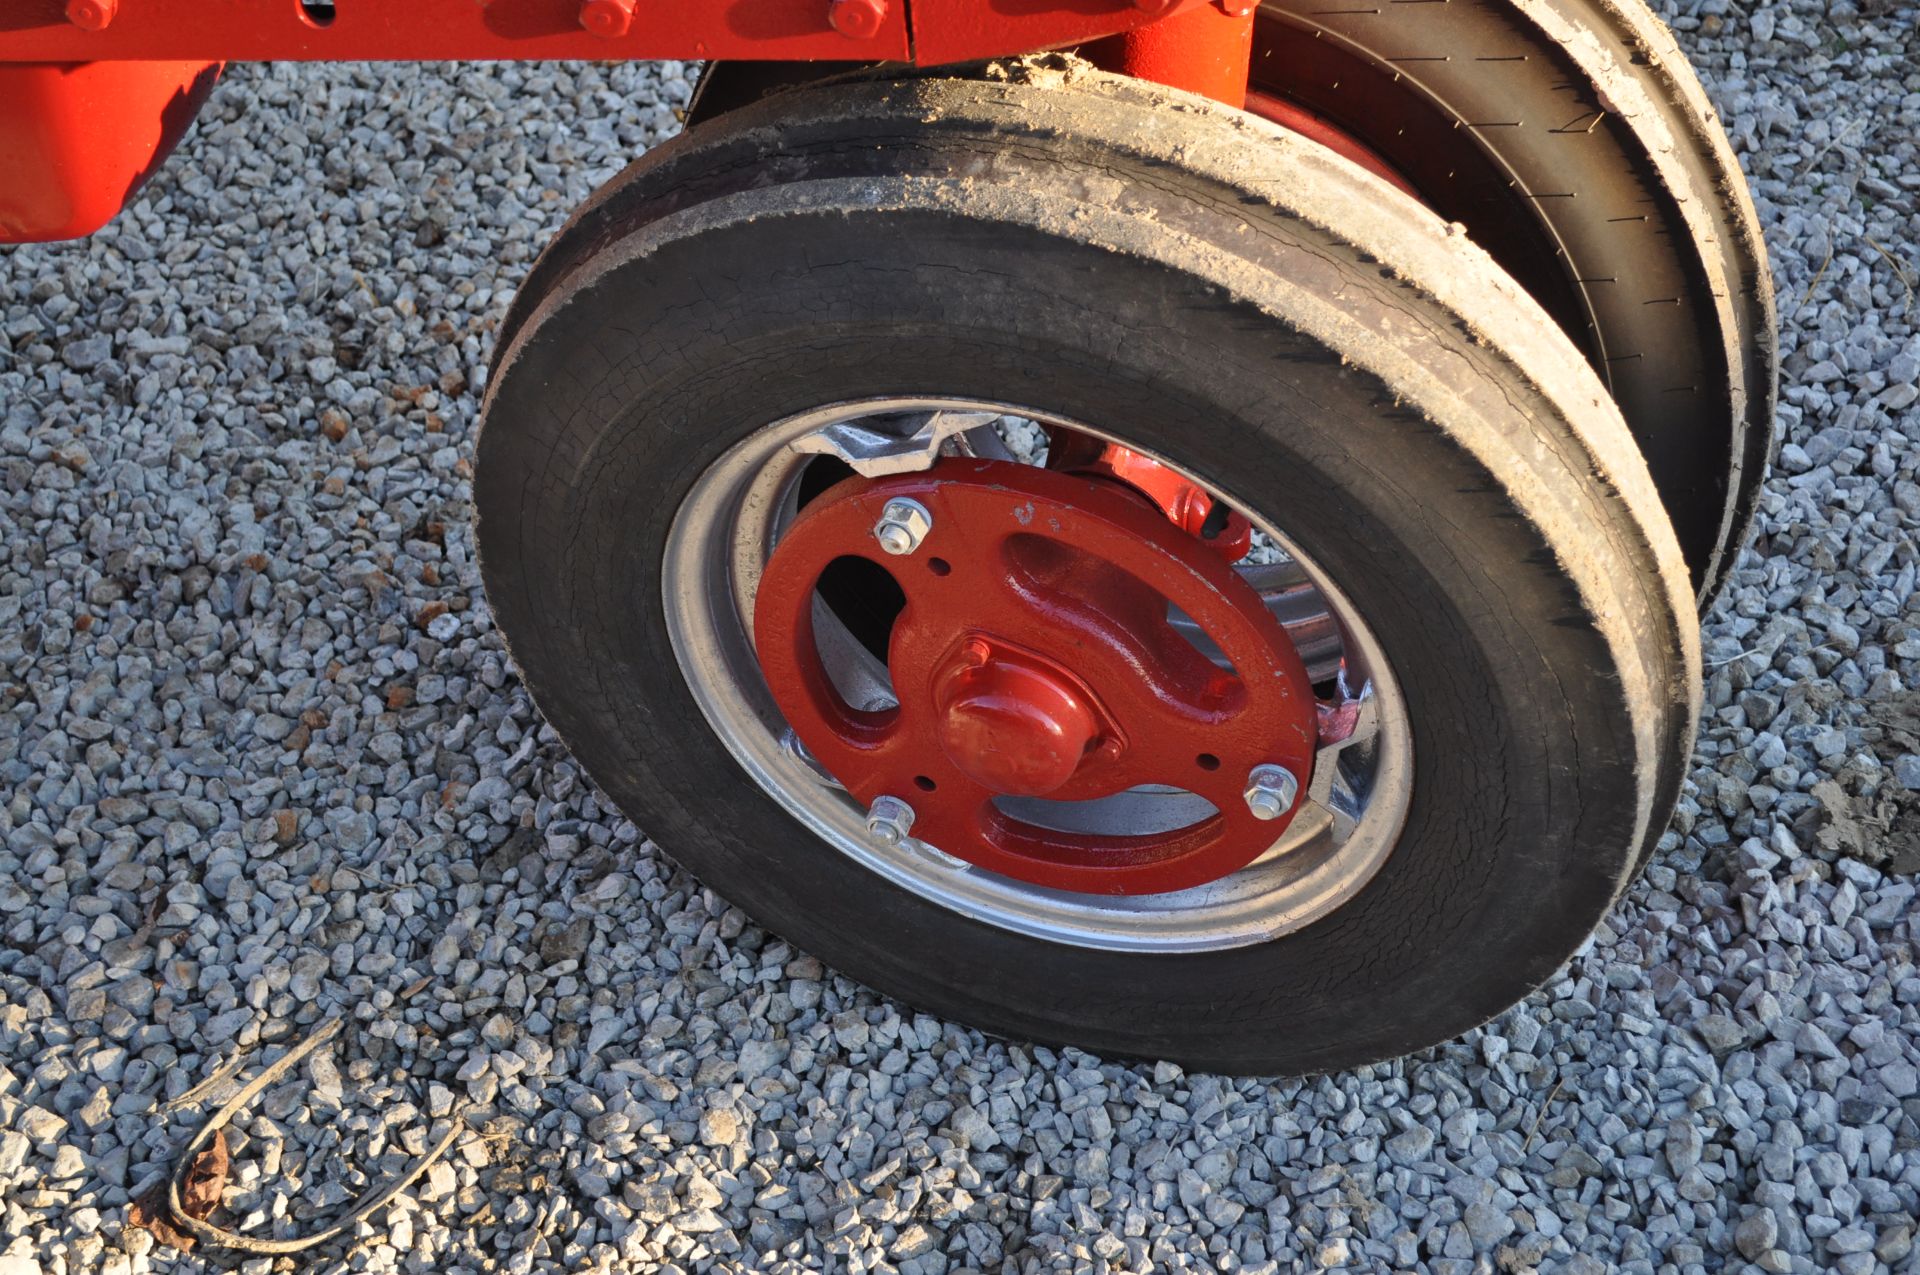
[903, 525]
[889, 820]
[1271, 791]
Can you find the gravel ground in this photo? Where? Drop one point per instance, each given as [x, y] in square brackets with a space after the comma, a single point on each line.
[268, 763]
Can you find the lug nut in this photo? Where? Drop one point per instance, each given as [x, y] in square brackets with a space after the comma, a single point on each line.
[1270, 791]
[889, 820]
[903, 525]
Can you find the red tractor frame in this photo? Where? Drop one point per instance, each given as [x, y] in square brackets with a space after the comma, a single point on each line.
[95, 93]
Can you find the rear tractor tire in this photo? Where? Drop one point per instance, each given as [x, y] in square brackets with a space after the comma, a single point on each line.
[1574, 143]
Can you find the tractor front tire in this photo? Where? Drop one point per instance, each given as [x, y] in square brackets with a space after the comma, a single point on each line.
[1266, 320]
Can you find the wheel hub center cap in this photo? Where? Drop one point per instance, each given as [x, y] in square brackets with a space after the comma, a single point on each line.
[1010, 722]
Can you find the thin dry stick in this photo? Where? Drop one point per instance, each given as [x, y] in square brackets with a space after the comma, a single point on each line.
[223, 1238]
[1818, 275]
[1899, 270]
[1541, 1114]
[205, 1088]
[1827, 150]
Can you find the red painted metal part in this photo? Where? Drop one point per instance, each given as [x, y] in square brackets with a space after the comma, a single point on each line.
[400, 30]
[1314, 128]
[397, 30]
[1034, 657]
[89, 89]
[91, 15]
[61, 158]
[1187, 505]
[857, 19]
[962, 30]
[608, 19]
[1206, 49]
[78, 141]
[1013, 721]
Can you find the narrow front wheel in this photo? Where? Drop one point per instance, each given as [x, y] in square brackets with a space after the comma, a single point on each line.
[1086, 575]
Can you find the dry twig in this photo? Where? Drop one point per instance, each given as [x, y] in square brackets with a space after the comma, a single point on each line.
[1534, 1129]
[180, 1200]
[205, 1088]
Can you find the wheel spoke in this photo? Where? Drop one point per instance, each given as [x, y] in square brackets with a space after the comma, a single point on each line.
[905, 443]
[1332, 794]
[1349, 728]
[1348, 720]
[859, 677]
[793, 747]
[1291, 597]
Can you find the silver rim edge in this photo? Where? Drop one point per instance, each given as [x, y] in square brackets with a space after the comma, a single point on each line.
[1361, 789]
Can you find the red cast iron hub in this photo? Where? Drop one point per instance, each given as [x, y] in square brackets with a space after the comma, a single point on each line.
[1188, 505]
[1011, 721]
[1033, 658]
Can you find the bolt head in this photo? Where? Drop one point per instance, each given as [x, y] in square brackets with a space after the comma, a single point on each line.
[91, 15]
[889, 820]
[1271, 791]
[857, 19]
[608, 19]
[903, 525]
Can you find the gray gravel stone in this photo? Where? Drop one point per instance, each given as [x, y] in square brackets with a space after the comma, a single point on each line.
[1756, 1234]
[267, 762]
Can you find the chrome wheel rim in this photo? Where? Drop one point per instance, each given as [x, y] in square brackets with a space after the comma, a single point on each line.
[727, 527]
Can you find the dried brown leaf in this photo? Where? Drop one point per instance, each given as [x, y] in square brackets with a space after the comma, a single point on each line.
[149, 1213]
[206, 1181]
[205, 1187]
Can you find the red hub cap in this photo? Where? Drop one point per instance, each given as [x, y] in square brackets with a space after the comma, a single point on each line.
[1011, 722]
[1034, 659]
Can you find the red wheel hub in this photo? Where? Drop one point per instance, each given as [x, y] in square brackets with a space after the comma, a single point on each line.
[1186, 504]
[1034, 658]
[1011, 722]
